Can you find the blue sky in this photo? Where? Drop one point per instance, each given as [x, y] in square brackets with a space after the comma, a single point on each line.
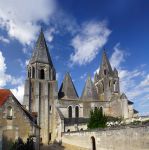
[77, 31]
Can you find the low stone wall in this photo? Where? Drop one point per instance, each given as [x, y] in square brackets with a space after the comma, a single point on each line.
[126, 138]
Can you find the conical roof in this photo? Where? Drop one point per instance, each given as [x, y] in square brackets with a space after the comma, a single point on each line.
[67, 89]
[105, 64]
[89, 91]
[123, 96]
[41, 52]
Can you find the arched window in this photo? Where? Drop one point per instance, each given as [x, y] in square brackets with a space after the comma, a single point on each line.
[103, 86]
[33, 72]
[77, 111]
[70, 112]
[42, 75]
[105, 72]
[101, 109]
[93, 143]
[114, 86]
[29, 72]
[9, 112]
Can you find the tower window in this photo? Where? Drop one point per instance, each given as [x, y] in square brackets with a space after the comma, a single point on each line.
[33, 72]
[42, 74]
[9, 112]
[105, 72]
[29, 72]
[70, 112]
[77, 111]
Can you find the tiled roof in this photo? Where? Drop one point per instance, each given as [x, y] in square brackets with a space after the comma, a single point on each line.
[4, 94]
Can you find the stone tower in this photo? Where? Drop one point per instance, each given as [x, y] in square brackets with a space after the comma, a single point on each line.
[41, 88]
[106, 80]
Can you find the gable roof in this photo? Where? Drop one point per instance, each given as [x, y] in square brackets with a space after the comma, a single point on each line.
[67, 89]
[89, 91]
[4, 94]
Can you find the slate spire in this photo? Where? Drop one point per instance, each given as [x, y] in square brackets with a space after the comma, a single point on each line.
[89, 91]
[105, 64]
[41, 52]
[67, 89]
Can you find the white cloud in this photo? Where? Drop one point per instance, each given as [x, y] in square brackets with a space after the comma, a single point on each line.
[4, 78]
[88, 42]
[117, 57]
[3, 39]
[49, 34]
[20, 18]
[18, 92]
[8, 79]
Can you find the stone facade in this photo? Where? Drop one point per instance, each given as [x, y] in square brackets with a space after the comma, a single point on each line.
[15, 121]
[63, 110]
[60, 111]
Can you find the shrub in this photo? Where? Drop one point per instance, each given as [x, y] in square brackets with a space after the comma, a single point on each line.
[97, 119]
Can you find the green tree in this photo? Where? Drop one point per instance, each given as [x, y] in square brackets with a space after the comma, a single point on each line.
[97, 119]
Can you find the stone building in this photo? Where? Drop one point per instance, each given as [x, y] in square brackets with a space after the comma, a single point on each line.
[63, 110]
[15, 121]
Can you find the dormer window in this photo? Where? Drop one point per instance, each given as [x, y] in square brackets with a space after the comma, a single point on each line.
[9, 112]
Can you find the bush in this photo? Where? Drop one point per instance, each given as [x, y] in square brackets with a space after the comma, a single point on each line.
[97, 119]
[20, 145]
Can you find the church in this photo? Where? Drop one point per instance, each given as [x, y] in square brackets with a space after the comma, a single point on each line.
[50, 111]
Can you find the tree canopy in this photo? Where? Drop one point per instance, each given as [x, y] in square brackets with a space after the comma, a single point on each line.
[97, 119]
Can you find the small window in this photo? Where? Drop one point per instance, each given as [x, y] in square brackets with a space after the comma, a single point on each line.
[101, 109]
[9, 112]
[77, 112]
[105, 72]
[33, 72]
[68, 130]
[42, 74]
[70, 112]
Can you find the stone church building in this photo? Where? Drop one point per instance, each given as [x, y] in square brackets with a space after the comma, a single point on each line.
[55, 111]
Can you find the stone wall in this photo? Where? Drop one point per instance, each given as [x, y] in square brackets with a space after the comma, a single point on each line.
[128, 138]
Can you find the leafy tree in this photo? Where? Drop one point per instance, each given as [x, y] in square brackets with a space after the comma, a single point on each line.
[97, 119]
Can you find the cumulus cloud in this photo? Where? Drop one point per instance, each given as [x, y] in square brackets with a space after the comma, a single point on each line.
[21, 18]
[5, 79]
[117, 57]
[3, 76]
[88, 42]
[18, 92]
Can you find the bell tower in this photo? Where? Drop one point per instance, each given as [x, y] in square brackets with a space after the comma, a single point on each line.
[41, 87]
[106, 80]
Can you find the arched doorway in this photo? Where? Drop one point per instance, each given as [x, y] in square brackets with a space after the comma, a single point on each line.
[93, 143]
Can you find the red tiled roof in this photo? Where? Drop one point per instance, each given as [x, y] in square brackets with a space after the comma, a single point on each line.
[4, 94]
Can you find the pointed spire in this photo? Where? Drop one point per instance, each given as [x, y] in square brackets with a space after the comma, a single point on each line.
[105, 64]
[115, 72]
[123, 96]
[67, 89]
[41, 52]
[89, 91]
